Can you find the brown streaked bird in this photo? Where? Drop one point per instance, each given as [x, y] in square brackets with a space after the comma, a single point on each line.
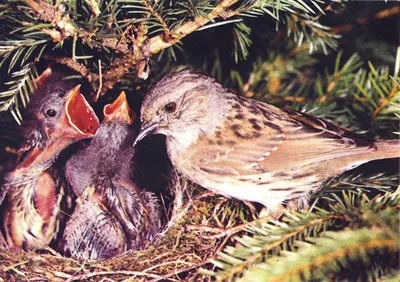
[248, 149]
[113, 214]
[93, 232]
[57, 116]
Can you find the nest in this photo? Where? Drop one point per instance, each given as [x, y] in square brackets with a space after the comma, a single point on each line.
[201, 224]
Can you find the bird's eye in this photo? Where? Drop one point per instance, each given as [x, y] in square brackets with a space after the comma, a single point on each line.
[51, 113]
[170, 107]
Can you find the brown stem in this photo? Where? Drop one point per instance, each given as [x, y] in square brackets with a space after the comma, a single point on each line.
[157, 43]
[364, 20]
[385, 101]
[143, 48]
[152, 46]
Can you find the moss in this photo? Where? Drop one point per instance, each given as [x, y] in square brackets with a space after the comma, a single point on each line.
[179, 253]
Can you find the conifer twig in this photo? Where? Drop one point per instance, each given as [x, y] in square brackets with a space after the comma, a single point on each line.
[386, 13]
[385, 101]
[158, 43]
[158, 17]
[250, 260]
[94, 6]
[55, 15]
[72, 64]
[145, 48]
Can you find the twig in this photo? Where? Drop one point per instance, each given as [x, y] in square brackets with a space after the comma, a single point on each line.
[330, 87]
[73, 65]
[145, 48]
[13, 268]
[157, 43]
[53, 252]
[15, 265]
[214, 214]
[100, 82]
[166, 263]
[364, 20]
[181, 270]
[158, 17]
[219, 232]
[94, 6]
[119, 272]
[258, 255]
[55, 15]
[385, 101]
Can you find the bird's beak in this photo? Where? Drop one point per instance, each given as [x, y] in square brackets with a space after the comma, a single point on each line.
[79, 115]
[77, 122]
[145, 130]
[119, 110]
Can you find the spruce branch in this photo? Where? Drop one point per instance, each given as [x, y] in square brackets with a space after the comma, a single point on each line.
[54, 14]
[158, 43]
[19, 90]
[317, 35]
[394, 92]
[247, 8]
[371, 93]
[145, 47]
[130, 42]
[270, 239]
[341, 75]
[301, 247]
[73, 65]
[154, 13]
[241, 41]
[357, 183]
[333, 255]
[383, 14]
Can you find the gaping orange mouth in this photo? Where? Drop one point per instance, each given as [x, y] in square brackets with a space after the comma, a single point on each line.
[80, 114]
[119, 110]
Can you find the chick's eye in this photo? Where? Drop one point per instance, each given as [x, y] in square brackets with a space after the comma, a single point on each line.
[51, 113]
[170, 107]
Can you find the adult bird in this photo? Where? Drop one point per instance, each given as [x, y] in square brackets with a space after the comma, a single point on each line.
[248, 149]
[30, 196]
[114, 213]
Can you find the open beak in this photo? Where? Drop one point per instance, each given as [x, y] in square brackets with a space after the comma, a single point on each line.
[119, 110]
[79, 115]
[78, 122]
[146, 129]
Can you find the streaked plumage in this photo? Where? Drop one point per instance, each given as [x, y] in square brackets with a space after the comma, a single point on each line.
[92, 231]
[106, 167]
[57, 116]
[248, 149]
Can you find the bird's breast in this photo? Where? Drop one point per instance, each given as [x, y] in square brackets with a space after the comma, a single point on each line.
[30, 215]
[45, 195]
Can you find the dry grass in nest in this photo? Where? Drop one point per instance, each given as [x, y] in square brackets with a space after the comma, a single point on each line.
[200, 226]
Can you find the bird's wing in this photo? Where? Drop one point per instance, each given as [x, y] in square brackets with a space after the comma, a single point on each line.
[123, 200]
[93, 232]
[269, 140]
[309, 140]
[138, 211]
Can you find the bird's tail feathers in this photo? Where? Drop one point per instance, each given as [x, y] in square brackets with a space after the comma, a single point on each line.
[387, 149]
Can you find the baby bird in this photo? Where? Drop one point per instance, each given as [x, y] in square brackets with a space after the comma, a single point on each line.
[248, 149]
[57, 116]
[113, 214]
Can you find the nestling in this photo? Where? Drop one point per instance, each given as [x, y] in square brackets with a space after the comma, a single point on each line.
[57, 116]
[248, 149]
[114, 213]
